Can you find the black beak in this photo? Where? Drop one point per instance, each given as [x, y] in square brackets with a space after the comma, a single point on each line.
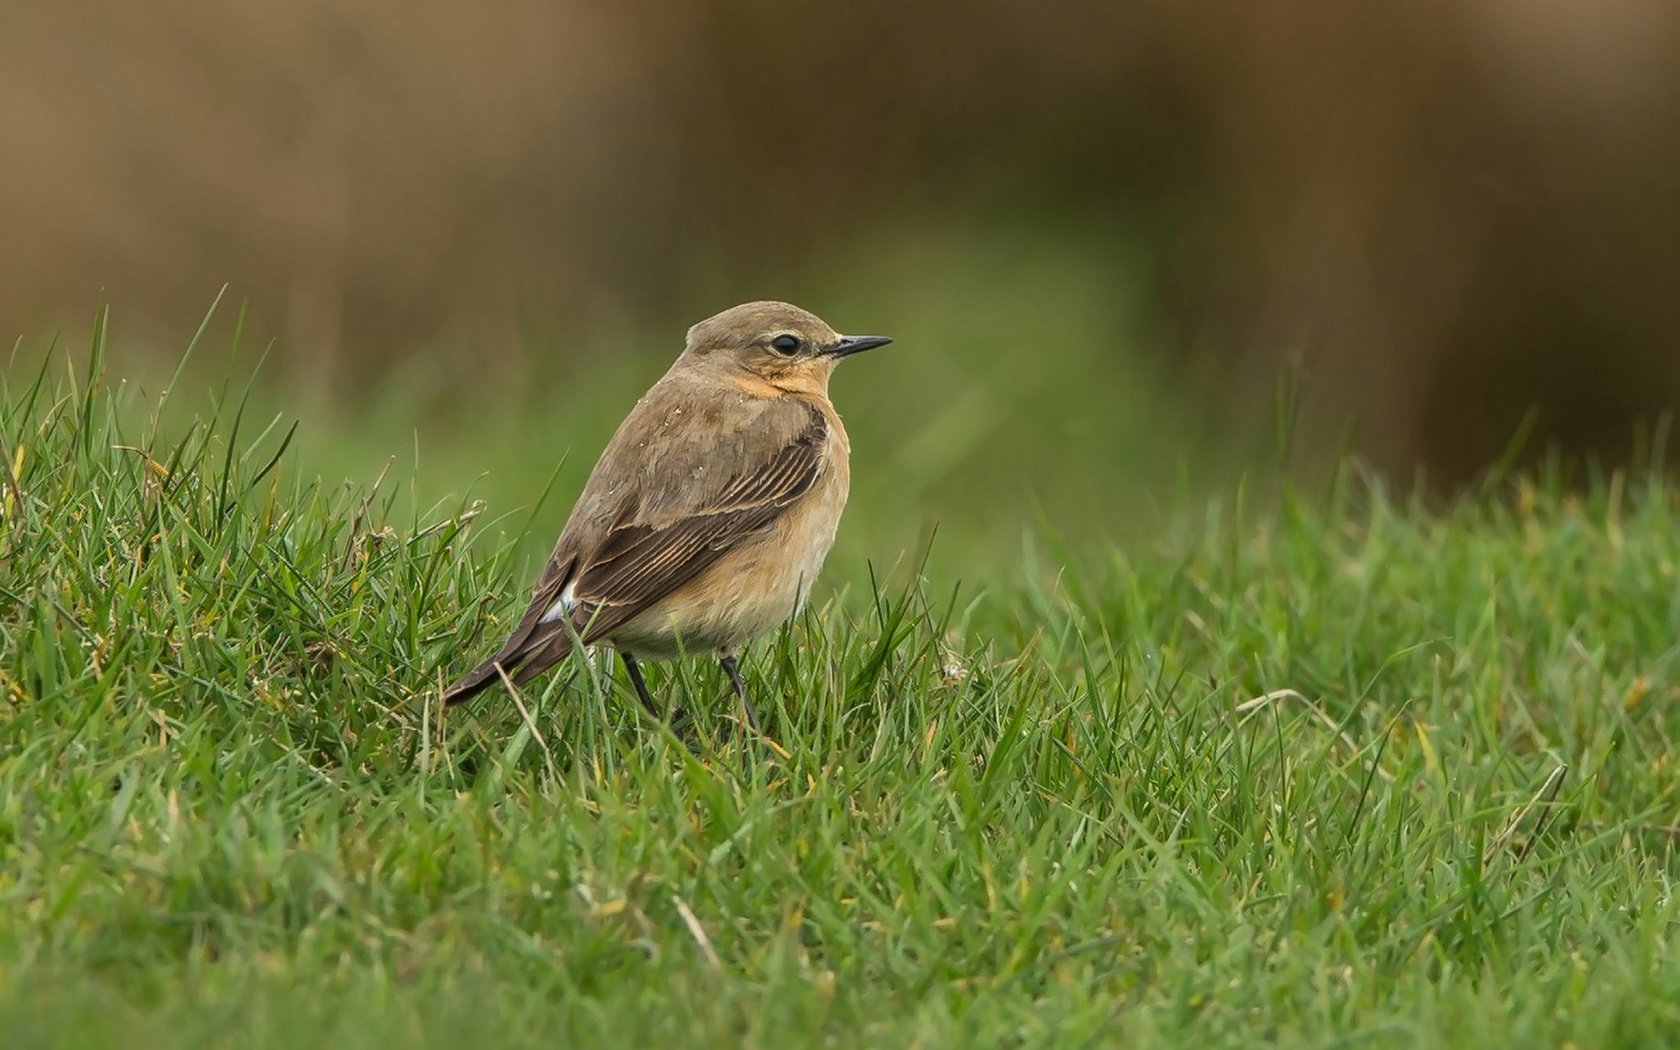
[857, 344]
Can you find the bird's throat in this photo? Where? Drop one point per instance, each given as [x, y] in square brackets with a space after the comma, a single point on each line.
[781, 386]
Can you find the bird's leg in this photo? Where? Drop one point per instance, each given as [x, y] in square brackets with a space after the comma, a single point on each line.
[635, 671]
[678, 719]
[726, 660]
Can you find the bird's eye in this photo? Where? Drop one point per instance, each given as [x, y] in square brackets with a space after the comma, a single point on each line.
[786, 345]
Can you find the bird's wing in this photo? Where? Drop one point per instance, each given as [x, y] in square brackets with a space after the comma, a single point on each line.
[644, 554]
[641, 562]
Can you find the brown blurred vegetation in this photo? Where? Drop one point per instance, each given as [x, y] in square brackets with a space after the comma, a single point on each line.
[1447, 212]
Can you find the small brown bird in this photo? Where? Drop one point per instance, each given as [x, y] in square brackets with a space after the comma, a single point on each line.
[710, 512]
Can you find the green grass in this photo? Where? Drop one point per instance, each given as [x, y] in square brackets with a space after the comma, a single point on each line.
[1324, 769]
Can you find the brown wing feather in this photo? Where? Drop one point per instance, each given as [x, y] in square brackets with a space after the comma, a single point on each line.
[636, 564]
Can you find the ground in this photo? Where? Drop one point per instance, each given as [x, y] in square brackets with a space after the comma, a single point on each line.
[1319, 765]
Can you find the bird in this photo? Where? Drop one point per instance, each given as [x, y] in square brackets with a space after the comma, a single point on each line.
[709, 513]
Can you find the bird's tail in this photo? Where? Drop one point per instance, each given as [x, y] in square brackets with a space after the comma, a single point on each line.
[523, 658]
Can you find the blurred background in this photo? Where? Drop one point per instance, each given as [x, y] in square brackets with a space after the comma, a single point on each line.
[1106, 235]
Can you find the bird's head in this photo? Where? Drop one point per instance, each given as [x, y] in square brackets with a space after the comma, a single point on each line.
[771, 344]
